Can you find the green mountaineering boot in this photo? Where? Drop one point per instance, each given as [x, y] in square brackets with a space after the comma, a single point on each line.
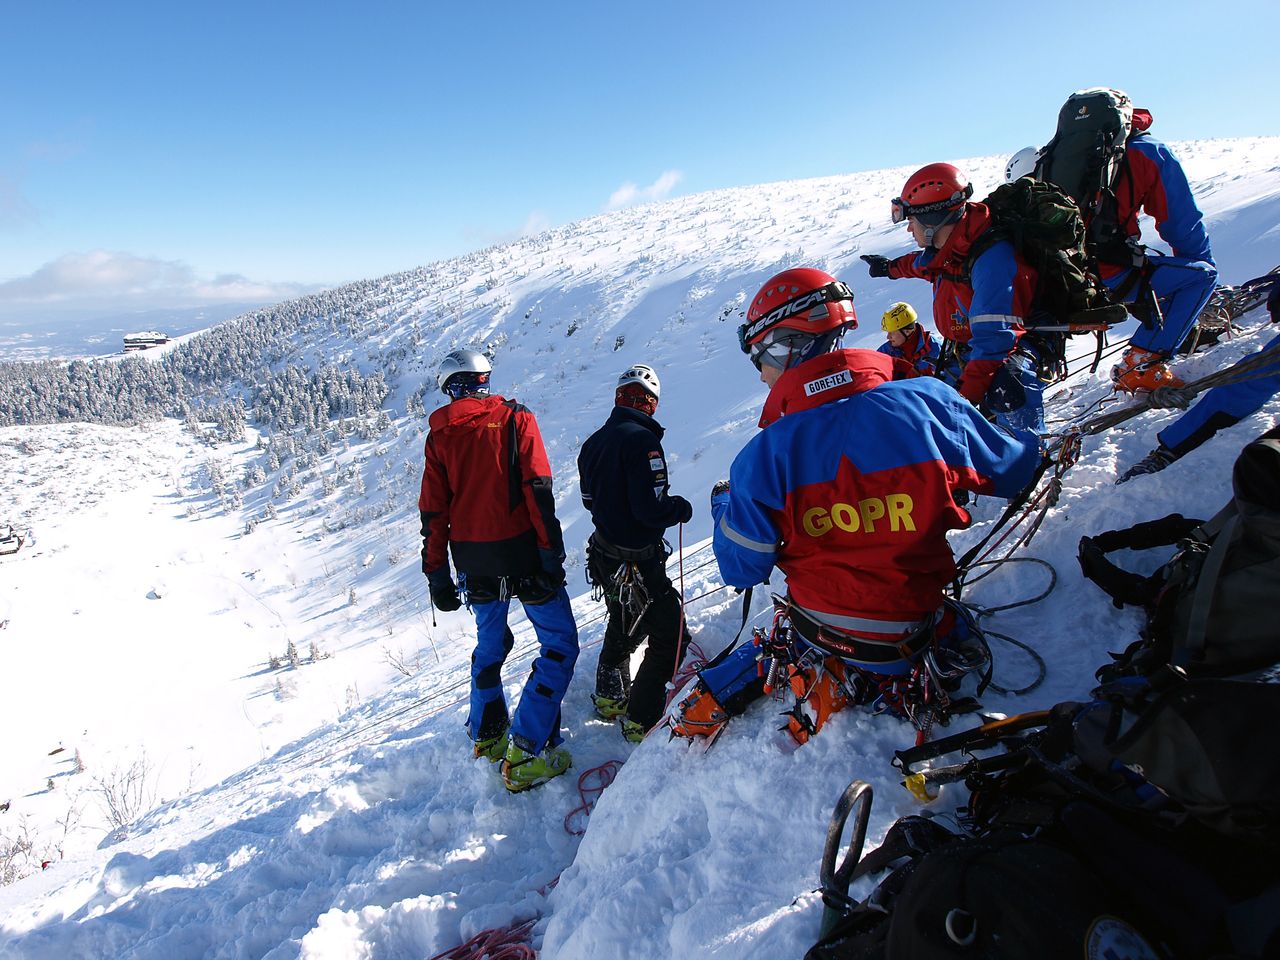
[491, 748]
[607, 708]
[632, 731]
[521, 770]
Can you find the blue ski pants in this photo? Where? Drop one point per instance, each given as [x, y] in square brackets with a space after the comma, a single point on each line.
[1220, 408]
[536, 723]
[1183, 287]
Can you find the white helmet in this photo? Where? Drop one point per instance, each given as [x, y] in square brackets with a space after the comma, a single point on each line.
[643, 375]
[1022, 164]
[462, 361]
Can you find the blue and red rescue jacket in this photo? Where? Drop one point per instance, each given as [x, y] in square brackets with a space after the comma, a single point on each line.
[1152, 180]
[983, 306]
[919, 350]
[847, 490]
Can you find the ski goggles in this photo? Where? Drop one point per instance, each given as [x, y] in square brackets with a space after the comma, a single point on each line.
[899, 209]
[831, 293]
[780, 349]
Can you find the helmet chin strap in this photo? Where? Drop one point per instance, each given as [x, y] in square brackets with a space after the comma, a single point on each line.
[827, 342]
[952, 218]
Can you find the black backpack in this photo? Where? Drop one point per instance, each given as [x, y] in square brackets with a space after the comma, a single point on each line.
[1210, 609]
[1004, 896]
[1085, 158]
[1140, 822]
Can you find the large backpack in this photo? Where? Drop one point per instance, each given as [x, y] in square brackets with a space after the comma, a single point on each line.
[1141, 825]
[1047, 230]
[1209, 608]
[1045, 227]
[1085, 158]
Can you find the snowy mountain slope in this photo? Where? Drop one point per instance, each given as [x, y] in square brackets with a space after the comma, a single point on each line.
[376, 835]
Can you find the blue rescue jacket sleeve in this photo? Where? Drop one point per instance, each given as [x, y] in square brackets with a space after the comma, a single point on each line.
[744, 537]
[994, 310]
[1006, 459]
[1168, 198]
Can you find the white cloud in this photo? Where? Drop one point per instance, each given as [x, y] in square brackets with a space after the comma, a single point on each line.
[106, 279]
[629, 194]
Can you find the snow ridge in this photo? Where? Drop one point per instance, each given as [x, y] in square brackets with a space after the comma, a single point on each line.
[333, 810]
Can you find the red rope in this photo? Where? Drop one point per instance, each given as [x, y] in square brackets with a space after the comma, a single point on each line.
[591, 785]
[680, 675]
[500, 943]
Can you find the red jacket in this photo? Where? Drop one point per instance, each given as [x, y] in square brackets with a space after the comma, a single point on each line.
[982, 303]
[486, 490]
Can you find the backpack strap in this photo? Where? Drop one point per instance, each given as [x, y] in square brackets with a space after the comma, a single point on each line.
[514, 493]
[1190, 645]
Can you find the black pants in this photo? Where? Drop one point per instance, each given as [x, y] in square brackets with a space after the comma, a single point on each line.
[661, 624]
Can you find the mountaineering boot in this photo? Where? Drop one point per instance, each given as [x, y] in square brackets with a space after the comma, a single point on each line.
[491, 748]
[819, 691]
[609, 708]
[1143, 370]
[698, 715]
[521, 769]
[632, 732]
[1153, 462]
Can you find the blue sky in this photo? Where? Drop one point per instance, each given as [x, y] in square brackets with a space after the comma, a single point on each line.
[157, 152]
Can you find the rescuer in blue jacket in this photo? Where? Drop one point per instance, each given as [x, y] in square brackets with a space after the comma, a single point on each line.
[848, 490]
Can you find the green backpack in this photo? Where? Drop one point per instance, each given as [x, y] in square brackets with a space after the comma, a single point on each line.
[1209, 609]
[1046, 229]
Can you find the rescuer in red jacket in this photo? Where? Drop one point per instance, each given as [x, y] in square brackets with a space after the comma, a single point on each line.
[486, 495]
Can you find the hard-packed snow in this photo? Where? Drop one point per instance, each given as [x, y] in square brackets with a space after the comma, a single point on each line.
[333, 810]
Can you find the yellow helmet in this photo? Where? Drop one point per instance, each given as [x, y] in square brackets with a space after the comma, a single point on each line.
[898, 316]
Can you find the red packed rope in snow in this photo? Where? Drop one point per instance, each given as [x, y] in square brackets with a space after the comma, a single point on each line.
[589, 792]
[500, 943]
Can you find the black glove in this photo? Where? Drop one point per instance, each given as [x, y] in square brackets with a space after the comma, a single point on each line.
[444, 592]
[721, 486]
[552, 576]
[877, 265]
[1169, 398]
[684, 509]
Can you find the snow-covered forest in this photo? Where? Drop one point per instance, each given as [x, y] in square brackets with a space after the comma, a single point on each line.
[234, 728]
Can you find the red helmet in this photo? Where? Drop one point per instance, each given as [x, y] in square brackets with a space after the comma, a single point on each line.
[934, 192]
[801, 304]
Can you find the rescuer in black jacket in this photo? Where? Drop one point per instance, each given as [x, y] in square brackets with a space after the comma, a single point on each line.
[623, 474]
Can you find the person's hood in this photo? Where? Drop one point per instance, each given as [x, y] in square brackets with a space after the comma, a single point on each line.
[463, 412]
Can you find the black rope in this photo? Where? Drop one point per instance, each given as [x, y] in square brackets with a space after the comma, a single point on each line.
[1041, 668]
[995, 565]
